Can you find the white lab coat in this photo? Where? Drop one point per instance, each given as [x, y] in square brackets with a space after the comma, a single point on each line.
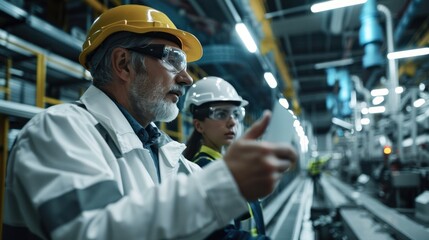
[60, 153]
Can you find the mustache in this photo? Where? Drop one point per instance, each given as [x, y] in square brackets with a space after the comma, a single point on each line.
[178, 89]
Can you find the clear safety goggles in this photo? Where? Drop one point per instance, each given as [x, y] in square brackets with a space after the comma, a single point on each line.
[224, 113]
[173, 59]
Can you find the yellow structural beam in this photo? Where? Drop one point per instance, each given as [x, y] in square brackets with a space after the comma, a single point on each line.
[40, 80]
[8, 76]
[52, 101]
[269, 44]
[4, 143]
[196, 72]
[100, 7]
[420, 39]
[4, 130]
[116, 2]
[96, 5]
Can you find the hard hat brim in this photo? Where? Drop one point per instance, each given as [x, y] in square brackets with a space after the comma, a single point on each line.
[190, 44]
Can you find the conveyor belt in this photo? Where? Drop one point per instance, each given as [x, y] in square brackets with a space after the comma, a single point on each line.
[286, 222]
[360, 226]
[399, 225]
[362, 217]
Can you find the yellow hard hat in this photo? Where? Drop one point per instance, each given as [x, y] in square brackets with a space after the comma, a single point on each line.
[136, 19]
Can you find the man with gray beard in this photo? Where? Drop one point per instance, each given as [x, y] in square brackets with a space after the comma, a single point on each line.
[101, 169]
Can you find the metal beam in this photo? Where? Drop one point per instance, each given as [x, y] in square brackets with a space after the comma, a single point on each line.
[269, 44]
[18, 109]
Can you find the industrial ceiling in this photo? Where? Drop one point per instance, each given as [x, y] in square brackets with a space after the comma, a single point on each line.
[291, 42]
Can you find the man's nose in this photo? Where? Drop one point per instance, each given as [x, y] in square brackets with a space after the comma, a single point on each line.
[184, 79]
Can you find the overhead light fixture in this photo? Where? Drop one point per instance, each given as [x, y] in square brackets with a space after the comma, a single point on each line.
[377, 100]
[385, 91]
[408, 53]
[399, 90]
[329, 5]
[379, 92]
[419, 102]
[296, 123]
[284, 102]
[270, 79]
[337, 63]
[342, 123]
[379, 109]
[245, 36]
[365, 121]
[300, 131]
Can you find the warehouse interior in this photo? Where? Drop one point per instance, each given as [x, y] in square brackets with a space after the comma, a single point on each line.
[328, 66]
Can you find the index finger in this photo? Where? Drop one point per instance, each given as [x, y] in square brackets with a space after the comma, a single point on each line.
[258, 128]
[285, 152]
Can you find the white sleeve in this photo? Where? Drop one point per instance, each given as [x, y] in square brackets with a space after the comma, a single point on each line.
[66, 190]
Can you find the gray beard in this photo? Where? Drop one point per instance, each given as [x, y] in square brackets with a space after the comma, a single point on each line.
[145, 104]
[164, 112]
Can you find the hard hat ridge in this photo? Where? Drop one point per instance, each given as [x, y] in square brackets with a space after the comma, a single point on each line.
[211, 89]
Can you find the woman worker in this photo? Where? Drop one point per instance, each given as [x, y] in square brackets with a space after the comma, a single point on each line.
[217, 112]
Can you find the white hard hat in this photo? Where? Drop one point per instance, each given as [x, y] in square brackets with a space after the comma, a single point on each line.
[211, 89]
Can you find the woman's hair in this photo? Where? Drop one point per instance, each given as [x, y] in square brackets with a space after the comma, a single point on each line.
[194, 142]
[193, 145]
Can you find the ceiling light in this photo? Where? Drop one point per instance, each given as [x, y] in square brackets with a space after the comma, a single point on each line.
[284, 102]
[245, 36]
[365, 121]
[419, 102]
[296, 123]
[379, 109]
[269, 77]
[408, 53]
[300, 131]
[399, 90]
[329, 5]
[379, 92]
[377, 100]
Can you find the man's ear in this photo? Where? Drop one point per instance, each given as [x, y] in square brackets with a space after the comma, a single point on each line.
[120, 60]
[198, 126]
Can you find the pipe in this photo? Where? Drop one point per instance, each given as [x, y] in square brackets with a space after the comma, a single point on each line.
[370, 35]
[393, 71]
[360, 88]
[394, 99]
[413, 6]
[233, 11]
[413, 119]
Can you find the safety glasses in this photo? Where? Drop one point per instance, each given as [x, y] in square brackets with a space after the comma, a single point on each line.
[173, 59]
[224, 113]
